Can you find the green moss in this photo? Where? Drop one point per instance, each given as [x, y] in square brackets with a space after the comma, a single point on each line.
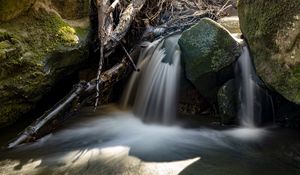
[207, 48]
[68, 34]
[26, 44]
[268, 27]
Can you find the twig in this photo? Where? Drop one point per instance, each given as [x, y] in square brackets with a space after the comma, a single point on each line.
[223, 7]
[113, 6]
[130, 59]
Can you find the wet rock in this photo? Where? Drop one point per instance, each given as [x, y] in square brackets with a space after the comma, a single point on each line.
[228, 102]
[190, 102]
[208, 54]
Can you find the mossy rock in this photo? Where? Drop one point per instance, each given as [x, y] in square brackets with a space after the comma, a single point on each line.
[272, 30]
[10, 9]
[228, 102]
[208, 53]
[36, 50]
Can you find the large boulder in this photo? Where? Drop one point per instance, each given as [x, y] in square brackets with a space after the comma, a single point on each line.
[272, 30]
[208, 54]
[36, 50]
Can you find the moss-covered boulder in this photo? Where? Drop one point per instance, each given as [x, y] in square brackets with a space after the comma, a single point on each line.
[272, 30]
[208, 53]
[227, 102]
[36, 49]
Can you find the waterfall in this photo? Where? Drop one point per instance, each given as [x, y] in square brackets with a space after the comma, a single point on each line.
[247, 89]
[152, 91]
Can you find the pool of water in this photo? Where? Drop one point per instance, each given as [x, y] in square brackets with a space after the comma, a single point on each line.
[112, 141]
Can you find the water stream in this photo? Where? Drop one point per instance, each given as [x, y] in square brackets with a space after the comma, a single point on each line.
[153, 90]
[116, 141]
[247, 89]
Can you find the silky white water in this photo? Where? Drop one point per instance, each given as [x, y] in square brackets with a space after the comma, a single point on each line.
[114, 141]
[152, 92]
[247, 89]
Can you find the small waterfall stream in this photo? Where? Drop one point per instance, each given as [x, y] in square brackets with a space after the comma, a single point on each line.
[247, 89]
[114, 141]
[152, 92]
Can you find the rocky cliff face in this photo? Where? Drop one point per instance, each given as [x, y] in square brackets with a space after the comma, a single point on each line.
[273, 32]
[37, 48]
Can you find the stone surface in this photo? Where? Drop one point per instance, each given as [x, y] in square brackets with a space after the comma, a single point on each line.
[10, 9]
[190, 102]
[227, 102]
[37, 49]
[272, 30]
[208, 53]
[71, 9]
[232, 24]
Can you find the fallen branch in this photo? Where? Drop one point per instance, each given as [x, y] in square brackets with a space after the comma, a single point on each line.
[135, 68]
[102, 6]
[70, 104]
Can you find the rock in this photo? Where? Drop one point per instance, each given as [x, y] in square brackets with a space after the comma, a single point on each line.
[272, 30]
[10, 9]
[71, 9]
[37, 49]
[208, 54]
[230, 9]
[232, 24]
[227, 102]
[190, 102]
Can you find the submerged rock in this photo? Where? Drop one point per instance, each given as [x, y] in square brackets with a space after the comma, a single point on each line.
[227, 102]
[36, 50]
[272, 30]
[208, 54]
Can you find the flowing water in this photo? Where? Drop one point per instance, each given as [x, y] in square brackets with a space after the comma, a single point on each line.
[153, 90]
[115, 142]
[247, 90]
[112, 141]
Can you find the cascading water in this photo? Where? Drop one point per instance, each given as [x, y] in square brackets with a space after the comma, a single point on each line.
[111, 141]
[247, 89]
[152, 92]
